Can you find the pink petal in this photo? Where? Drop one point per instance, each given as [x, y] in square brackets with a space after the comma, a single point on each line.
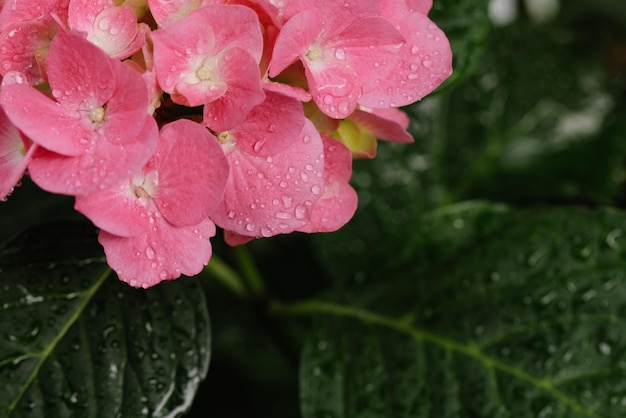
[339, 201]
[195, 69]
[369, 32]
[176, 61]
[13, 156]
[77, 70]
[244, 91]
[115, 30]
[337, 15]
[192, 173]
[294, 40]
[118, 210]
[422, 63]
[22, 44]
[82, 13]
[102, 165]
[15, 11]
[273, 195]
[41, 118]
[387, 124]
[335, 87]
[422, 6]
[233, 239]
[236, 27]
[271, 126]
[165, 12]
[128, 106]
[165, 252]
[296, 92]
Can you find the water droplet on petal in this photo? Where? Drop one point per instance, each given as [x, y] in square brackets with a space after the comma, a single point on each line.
[258, 145]
[300, 212]
[150, 253]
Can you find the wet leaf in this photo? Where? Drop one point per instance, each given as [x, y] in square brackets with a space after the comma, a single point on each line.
[467, 25]
[75, 341]
[480, 312]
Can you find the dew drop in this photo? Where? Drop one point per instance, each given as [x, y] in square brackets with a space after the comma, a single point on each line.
[258, 145]
[300, 212]
[316, 189]
[287, 201]
[150, 253]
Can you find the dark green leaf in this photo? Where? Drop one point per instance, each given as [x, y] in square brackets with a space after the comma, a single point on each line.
[466, 24]
[538, 121]
[523, 316]
[77, 342]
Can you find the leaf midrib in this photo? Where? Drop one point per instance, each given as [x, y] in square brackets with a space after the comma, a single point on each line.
[45, 353]
[313, 307]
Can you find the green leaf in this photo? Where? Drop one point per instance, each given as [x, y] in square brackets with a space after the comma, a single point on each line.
[523, 316]
[540, 120]
[75, 341]
[467, 25]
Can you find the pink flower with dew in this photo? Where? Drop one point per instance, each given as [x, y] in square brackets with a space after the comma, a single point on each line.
[276, 161]
[46, 11]
[15, 153]
[155, 225]
[24, 47]
[96, 129]
[420, 65]
[211, 57]
[339, 202]
[112, 28]
[26, 29]
[338, 46]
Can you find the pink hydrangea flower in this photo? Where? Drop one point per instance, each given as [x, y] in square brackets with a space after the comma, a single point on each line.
[338, 46]
[155, 225]
[276, 161]
[95, 130]
[26, 29]
[113, 28]
[211, 58]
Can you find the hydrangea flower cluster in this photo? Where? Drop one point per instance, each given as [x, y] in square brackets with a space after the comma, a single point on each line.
[165, 118]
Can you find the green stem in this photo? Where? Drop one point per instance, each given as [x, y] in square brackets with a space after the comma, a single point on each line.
[250, 273]
[220, 271]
